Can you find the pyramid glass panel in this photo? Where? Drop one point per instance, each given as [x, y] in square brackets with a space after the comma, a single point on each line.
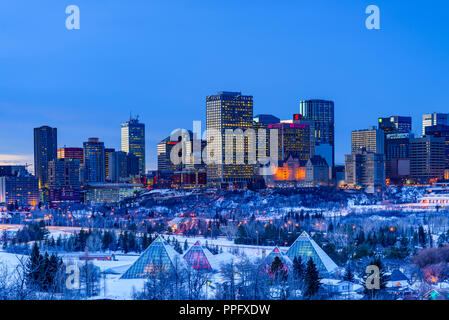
[307, 248]
[197, 258]
[156, 259]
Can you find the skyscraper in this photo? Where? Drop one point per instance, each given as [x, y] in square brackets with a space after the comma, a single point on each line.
[433, 119]
[365, 169]
[64, 181]
[107, 152]
[228, 111]
[294, 139]
[118, 166]
[45, 150]
[372, 139]
[321, 115]
[395, 124]
[133, 141]
[427, 158]
[94, 161]
[71, 153]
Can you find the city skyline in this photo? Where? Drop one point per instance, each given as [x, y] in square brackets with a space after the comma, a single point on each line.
[370, 74]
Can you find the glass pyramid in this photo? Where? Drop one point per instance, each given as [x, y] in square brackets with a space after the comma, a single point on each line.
[307, 248]
[199, 257]
[156, 259]
[277, 253]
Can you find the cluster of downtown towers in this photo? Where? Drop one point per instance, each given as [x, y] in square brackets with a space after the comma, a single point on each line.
[387, 153]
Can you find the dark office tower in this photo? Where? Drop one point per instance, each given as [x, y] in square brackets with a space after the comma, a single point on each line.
[321, 115]
[94, 166]
[395, 124]
[118, 166]
[71, 154]
[230, 111]
[45, 150]
[397, 157]
[132, 163]
[133, 141]
[107, 152]
[440, 131]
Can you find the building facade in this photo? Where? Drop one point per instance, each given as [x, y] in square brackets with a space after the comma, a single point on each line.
[371, 139]
[133, 141]
[21, 189]
[227, 112]
[427, 159]
[321, 114]
[94, 161]
[45, 150]
[433, 119]
[64, 181]
[71, 154]
[365, 169]
[395, 124]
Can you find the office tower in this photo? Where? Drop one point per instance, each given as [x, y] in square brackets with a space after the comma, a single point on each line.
[433, 119]
[395, 124]
[227, 112]
[365, 169]
[107, 152]
[133, 141]
[118, 166]
[64, 181]
[132, 163]
[94, 166]
[45, 150]
[397, 157]
[164, 150]
[19, 187]
[294, 139]
[321, 115]
[427, 158]
[71, 153]
[266, 119]
[440, 131]
[372, 139]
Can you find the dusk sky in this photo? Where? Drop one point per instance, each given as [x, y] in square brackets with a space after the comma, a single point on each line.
[160, 59]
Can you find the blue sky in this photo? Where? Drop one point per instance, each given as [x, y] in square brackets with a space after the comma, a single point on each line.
[160, 59]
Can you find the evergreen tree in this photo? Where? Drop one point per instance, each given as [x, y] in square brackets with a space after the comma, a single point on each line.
[34, 267]
[298, 268]
[349, 275]
[375, 292]
[311, 279]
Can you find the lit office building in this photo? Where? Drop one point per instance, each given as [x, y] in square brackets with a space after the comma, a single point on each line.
[321, 115]
[427, 159]
[433, 119]
[133, 141]
[94, 161]
[294, 139]
[229, 111]
[395, 124]
[45, 150]
[372, 139]
[19, 187]
[365, 169]
[71, 153]
[64, 181]
[107, 152]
